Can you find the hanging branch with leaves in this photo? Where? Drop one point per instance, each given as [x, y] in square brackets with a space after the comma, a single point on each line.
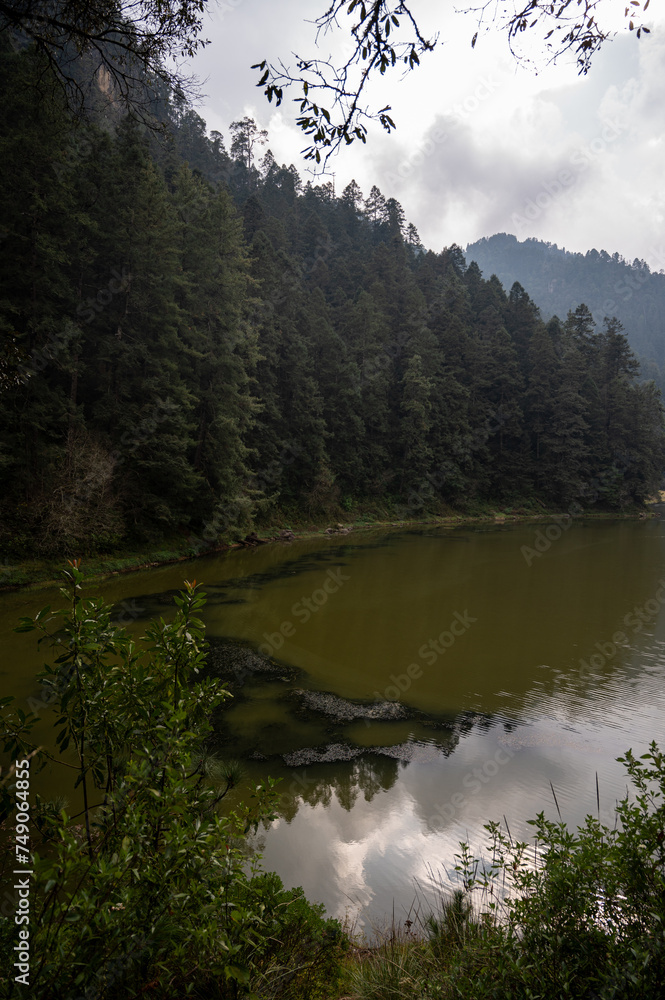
[385, 35]
[573, 26]
[376, 47]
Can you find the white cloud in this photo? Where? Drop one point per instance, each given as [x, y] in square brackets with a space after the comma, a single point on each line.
[509, 132]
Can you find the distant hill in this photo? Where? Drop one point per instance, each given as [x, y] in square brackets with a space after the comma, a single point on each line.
[558, 280]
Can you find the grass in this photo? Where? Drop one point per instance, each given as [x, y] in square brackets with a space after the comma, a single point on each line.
[414, 959]
[45, 571]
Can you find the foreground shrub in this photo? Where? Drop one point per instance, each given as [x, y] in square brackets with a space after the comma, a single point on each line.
[149, 891]
[578, 915]
[581, 914]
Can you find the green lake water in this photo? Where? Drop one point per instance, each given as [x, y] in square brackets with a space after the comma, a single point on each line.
[509, 670]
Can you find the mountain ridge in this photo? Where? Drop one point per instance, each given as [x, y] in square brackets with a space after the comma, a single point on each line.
[558, 280]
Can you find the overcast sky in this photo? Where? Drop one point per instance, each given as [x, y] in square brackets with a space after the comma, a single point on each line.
[483, 145]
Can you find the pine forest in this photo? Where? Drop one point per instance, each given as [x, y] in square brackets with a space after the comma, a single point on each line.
[197, 341]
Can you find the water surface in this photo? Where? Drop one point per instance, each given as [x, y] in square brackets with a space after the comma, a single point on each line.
[509, 671]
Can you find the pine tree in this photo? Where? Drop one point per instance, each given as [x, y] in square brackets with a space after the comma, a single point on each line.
[219, 348]
[135, 394]
[416, 407]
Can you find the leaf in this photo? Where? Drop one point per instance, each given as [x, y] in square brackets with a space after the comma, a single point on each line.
[234, 972]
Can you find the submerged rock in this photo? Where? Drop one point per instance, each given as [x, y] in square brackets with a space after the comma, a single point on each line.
[424, 753]
[342, 710]
[329, 755]
[232, 661]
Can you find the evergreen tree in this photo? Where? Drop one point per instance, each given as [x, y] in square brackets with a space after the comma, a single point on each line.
[136, 394]
[416, 424]
[219, 344]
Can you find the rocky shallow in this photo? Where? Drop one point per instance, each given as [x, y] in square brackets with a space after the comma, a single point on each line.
[334, 752]
[340, 710]
[234, 662]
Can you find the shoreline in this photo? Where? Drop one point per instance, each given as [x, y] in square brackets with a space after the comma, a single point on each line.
[42, 572]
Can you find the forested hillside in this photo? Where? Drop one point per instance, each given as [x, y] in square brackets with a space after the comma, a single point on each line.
[559, 280]
[195, 339]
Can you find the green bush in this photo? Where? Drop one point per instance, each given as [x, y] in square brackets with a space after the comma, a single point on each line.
[584, 917]
[150, 890]
[577, 915]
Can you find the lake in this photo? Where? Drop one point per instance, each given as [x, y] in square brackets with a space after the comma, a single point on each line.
[408, 686]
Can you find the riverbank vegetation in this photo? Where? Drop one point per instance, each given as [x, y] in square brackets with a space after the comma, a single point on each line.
[196, 344]
[151, 891]
[573, 914]
[40, 572]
